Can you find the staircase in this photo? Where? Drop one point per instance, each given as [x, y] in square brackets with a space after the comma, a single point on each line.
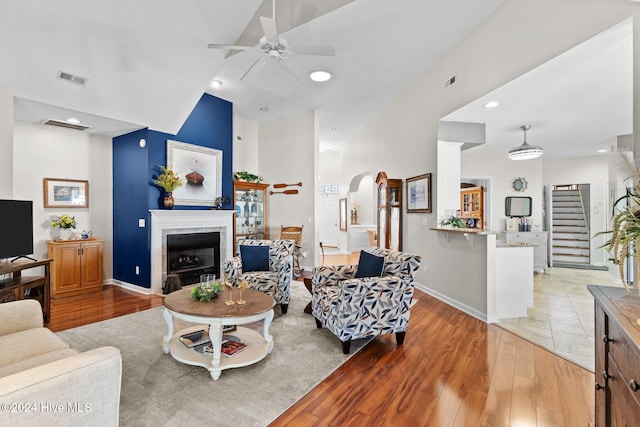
[571, 238]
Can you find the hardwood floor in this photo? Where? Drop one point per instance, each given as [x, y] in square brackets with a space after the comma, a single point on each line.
[453, 370]
[113, 301]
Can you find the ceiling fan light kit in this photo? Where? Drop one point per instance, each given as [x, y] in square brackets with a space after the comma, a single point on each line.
[525, 151]
[273, 46]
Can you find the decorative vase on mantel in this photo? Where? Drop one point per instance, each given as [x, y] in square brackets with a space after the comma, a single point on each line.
[168, 201]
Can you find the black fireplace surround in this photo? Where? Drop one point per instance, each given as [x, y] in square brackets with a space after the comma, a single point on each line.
[192, 254]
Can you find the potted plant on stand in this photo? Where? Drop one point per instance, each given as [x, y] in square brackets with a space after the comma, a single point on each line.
[168, 181]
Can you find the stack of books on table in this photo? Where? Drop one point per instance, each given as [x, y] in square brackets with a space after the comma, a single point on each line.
[230, 346]
[194, 339]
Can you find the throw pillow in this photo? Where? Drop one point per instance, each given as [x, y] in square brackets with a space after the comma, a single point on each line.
[369, 265]
[254, 258]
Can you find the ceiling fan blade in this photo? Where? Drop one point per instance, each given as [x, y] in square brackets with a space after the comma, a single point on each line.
[270, 29]
[296, 70]
[228, 46]
[254, 70]
[319, 50]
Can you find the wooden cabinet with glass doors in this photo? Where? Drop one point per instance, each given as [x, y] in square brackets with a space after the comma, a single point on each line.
[250, 220]
[472, 206]
[389, 212]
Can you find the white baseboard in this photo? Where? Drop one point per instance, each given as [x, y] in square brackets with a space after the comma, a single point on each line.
[454, 303]
[129, 286]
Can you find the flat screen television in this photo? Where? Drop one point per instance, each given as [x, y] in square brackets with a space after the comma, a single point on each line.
[16, 240]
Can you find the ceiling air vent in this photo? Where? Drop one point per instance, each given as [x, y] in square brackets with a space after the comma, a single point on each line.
[63, 124]
[72, 78]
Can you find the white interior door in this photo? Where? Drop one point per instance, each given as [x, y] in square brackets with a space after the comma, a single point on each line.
[329, 220]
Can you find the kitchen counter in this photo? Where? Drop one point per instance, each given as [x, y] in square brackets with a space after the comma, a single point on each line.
[462, 230]
[514, 279]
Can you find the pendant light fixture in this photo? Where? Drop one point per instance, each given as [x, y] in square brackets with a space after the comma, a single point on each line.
[525, 151]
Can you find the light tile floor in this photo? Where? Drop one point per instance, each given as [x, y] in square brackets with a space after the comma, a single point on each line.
[561, 319]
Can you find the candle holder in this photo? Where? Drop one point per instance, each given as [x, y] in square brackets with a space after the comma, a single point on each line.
[243, 285]
[228, 285]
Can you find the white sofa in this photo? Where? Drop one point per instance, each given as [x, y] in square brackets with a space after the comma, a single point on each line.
[45, 382]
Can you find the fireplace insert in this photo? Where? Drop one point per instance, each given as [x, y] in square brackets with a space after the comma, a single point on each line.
[191, 254]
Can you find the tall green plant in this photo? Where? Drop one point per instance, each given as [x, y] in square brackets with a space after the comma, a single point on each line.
[625, 233]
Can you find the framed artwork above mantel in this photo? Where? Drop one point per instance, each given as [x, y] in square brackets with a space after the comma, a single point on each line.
[201, 171]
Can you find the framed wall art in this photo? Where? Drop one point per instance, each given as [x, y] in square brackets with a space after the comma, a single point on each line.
[201, 171]
[65, 193]
[419, 193]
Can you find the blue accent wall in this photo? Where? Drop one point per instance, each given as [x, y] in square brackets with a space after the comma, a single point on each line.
[210, 124]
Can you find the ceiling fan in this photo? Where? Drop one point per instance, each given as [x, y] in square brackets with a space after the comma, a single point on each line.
[272, 46]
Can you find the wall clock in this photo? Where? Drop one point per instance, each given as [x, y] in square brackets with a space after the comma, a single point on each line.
[519, 184]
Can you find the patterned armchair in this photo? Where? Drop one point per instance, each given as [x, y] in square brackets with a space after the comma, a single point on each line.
[275, 282]
[356, 308]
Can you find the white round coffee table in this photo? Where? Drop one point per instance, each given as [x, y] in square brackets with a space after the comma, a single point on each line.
[214, 316]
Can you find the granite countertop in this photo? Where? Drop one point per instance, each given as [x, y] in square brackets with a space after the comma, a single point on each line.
[505, 244]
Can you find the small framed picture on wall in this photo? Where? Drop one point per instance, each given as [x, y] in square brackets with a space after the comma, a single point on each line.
[65, 193]
[419, 193]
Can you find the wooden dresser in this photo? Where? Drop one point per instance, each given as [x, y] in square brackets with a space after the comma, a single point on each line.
[617, 358]
[77, 267]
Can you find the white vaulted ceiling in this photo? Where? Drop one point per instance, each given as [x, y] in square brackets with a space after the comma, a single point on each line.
[147, 64]
[147, 61]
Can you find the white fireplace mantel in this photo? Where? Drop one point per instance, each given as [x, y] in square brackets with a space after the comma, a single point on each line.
[165, 222]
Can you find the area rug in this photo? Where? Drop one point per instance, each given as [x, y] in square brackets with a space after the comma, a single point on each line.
[160, 391]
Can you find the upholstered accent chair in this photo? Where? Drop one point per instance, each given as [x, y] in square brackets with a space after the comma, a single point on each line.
[353, 308]
[274, 279]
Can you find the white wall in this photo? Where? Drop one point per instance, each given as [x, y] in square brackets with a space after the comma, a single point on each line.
[42, 151]
[449, 170]
[286, 154]
[492, 163]
[365, 198]
[502, 48]
[245, 145]
[6, 144]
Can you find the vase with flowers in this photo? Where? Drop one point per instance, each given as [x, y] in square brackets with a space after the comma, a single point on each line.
[168, 181]
[66, 224]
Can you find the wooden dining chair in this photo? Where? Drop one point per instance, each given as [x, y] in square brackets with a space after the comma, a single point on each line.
[293, 233]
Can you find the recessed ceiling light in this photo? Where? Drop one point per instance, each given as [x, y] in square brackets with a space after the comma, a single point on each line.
[215, 83]
[320, 76]
[602, 150]
[491, 104]
[264, 109]
[73, 120]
